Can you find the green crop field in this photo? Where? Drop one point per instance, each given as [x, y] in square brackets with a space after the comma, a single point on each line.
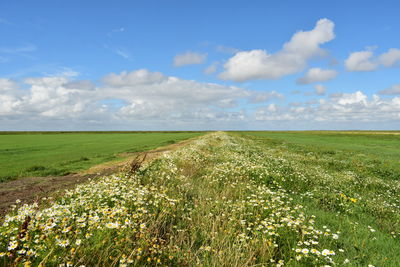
[42, 154]
[226, 199]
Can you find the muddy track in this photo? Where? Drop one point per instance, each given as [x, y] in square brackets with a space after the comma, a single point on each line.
[32, 189]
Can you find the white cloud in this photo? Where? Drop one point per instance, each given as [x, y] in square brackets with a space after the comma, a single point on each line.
[7, 84]
[390, 58]
[353, 110]
[360, 61]
[139, 77]
[260, 97]
[320, 89]
[140, 95]
[317, 75]
[145, 100]
[189, 58]
[394, 90]
[8, 105]
[46, 97]
[272, 107]
[352, 98]
[152, 94]
[80, 85]
[365, 60]
[259, 64]
[211, 69]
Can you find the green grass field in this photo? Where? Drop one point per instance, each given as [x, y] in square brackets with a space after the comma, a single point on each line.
[43, 154]
[227, 199]
[380, 148]
[382, 145]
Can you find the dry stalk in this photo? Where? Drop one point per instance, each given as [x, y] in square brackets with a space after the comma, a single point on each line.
[136, 163]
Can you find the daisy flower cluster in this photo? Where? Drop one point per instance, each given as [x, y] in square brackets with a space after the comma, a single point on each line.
[106, 211]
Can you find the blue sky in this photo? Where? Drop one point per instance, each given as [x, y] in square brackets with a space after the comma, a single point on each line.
[175, 65]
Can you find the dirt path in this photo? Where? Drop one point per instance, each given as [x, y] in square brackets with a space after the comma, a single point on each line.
[31, 189]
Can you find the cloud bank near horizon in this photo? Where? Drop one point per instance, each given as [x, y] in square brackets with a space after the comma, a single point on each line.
[143, 99]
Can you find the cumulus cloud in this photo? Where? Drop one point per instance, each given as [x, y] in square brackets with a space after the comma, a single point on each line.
[7, 84]
[46, 97]
[360, 61]
[352, 98]
[365, 60]
[139, 77]
[350, 108]
[320, 89]
[394, 90]
[144, 100]
[259, 64]
[80, 85]
[260, 97]
[390, 58]
[317, 75]
[189, 58]
[127, 97]
[52, 97]
[151, 94]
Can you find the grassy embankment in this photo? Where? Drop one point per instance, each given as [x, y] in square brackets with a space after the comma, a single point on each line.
[43, 154]
[227, 200]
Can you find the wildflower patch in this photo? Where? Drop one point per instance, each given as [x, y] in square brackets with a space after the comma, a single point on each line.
[221, 201]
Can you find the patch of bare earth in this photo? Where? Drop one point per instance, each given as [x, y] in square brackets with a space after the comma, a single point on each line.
[32, 189]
